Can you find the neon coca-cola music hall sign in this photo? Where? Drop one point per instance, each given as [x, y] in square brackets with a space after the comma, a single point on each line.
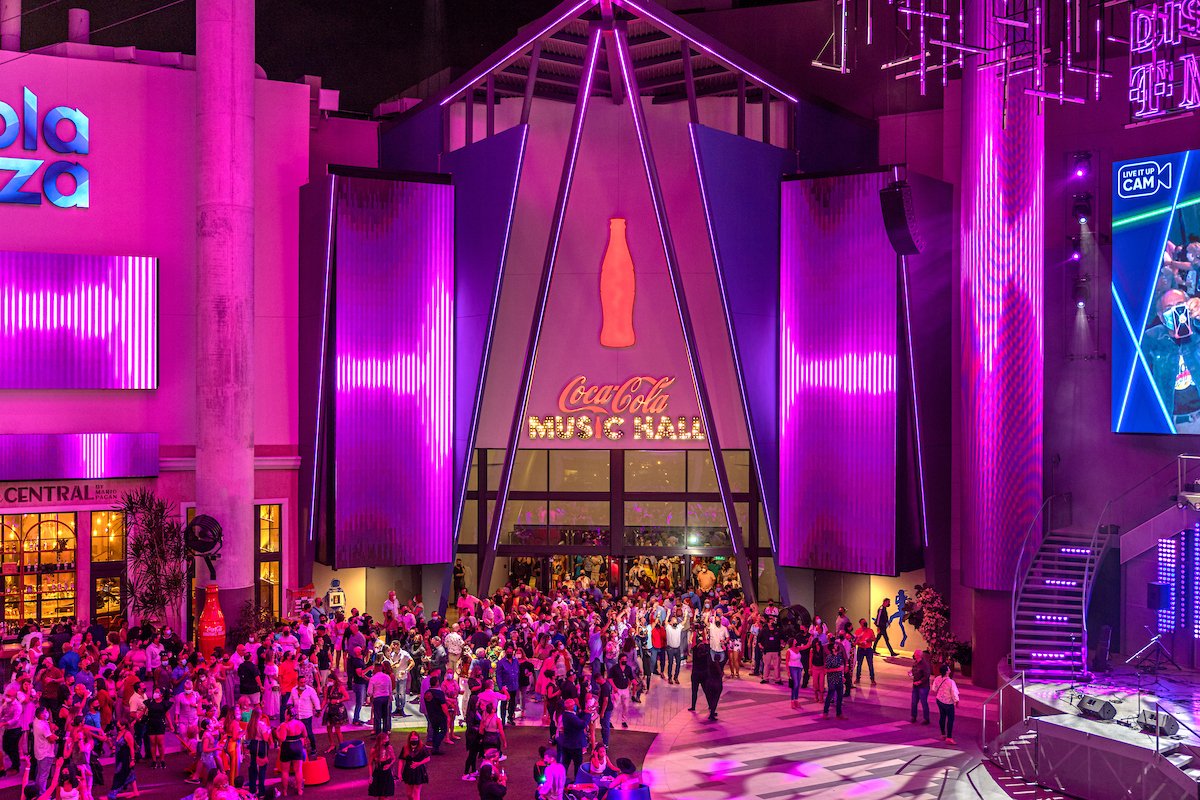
[637, 406]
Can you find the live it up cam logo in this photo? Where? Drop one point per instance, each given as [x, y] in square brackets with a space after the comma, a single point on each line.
[1143, 179]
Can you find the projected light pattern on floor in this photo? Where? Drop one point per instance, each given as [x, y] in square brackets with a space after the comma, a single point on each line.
[393, 371]
[78, 322]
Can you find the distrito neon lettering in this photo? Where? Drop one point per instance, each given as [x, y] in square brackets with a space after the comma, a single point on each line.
[65, 183]
[1160, 83]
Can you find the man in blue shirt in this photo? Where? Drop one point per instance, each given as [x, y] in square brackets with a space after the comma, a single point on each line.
[69, 662]
[508, 678]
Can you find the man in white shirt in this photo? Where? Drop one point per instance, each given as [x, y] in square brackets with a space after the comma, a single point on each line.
[43, 748]
[555, 782]
[718, 634]
[402, 662]
[392, 605]
[675, 637]
[454, 648]
[379, 689]
[305, 704]
[288, 643]
[305, 634]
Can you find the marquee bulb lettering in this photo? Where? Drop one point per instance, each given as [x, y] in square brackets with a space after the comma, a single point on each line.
[63, 130]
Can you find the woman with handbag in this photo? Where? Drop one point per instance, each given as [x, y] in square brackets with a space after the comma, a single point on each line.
[945, 691]
[491, 731]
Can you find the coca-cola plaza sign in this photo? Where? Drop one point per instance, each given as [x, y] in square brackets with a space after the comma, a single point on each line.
[638, 407]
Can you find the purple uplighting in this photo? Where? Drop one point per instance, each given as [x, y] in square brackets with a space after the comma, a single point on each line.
[1001, 294]
[837, 383]
[78, 322]
[394, 371]
[77, 456]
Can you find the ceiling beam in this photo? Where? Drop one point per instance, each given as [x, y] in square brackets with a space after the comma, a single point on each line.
[674, 80]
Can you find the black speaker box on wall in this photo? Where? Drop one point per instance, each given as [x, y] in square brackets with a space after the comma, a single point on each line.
[900, 218]
[1158, 596]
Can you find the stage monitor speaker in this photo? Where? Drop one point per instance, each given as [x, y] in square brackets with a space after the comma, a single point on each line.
[1158, 596]
[1149, 720]
[1097, 707]
[900, 218]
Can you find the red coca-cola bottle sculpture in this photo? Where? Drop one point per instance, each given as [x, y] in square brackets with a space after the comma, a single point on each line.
[212, 622]
[618, 285]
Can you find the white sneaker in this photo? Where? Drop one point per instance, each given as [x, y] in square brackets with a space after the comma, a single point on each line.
[470, 776]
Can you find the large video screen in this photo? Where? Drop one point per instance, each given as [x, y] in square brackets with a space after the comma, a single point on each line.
[1156, 294]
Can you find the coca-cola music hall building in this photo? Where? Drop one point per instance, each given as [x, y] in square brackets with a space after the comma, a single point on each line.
[559, 301]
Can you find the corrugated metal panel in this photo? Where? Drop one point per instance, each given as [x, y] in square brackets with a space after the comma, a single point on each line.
[838, 347]
[394, 372]
[78, 322]
[1002, 328]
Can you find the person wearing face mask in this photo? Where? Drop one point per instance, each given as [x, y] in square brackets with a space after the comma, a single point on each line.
[156, 728]
[1173, 350]
[622, 678]
[415, 757]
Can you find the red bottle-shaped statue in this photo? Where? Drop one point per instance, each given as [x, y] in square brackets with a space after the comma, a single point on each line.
[618, 285]
[212, 622]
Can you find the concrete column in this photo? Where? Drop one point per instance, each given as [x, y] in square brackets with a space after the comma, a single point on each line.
[225, 288]
[79, 26]
[10, 24]
[1001, 312]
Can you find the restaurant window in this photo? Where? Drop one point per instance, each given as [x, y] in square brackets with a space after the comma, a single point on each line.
[268, 557]
[108, 536]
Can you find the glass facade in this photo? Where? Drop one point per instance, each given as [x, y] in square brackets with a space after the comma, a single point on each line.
[625, 519]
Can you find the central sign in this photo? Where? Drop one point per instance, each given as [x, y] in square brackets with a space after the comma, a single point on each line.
[637, 406]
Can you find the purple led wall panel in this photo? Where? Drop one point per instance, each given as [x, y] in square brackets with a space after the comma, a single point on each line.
[837, 377]
[77, 456]
[78, 322]
[393, 345]
[1001, 313]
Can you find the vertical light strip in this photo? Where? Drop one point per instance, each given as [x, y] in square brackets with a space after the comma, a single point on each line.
[481, 384]
[1001, 296]
[633, 92]
[1168, 567]
[321, 364]
[743, 393]
[488, 553]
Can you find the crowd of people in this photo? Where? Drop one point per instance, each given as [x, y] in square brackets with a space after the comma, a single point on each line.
[575, 660]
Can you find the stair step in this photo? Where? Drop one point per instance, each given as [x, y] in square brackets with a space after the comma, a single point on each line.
[1180, 760]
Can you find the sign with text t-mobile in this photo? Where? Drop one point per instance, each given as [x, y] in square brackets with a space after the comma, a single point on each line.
[64, 130]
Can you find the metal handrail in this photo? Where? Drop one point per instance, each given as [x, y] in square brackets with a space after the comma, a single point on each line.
[999, 695]
[1158, 712]
[1099, 550]
[1022, 568]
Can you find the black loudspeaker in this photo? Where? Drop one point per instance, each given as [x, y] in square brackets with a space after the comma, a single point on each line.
[1097, 707]
[900, 218]
[1149, 720]
[1158, 596]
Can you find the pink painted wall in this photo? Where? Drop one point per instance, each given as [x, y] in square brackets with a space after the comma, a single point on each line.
[143, 193]
[610, 181]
